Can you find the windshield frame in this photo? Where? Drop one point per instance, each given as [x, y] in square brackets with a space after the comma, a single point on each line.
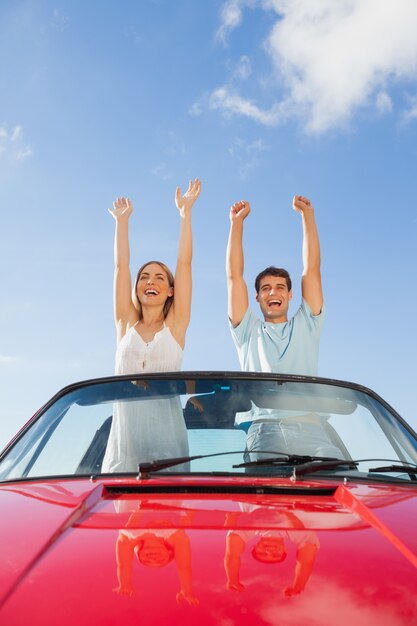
[218, 376]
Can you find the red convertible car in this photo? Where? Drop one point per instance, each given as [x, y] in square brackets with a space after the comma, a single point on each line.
[210, 498]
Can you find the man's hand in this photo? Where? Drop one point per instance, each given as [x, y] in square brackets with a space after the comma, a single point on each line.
[301, 204]
[288, 592]
[196, 404]
[238, 301]
[183, 596]
[185, 203]
[122, 209]
[239, 211]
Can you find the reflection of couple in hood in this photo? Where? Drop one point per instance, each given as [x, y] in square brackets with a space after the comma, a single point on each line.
[149, 535]
[269, 546]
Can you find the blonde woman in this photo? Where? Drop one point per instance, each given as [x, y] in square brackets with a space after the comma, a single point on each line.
[151, 323]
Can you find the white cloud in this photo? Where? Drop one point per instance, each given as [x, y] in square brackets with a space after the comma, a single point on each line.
[383, 102]
[12, 146]
[161, 171]
[24, 153]
[133, 35]
[16, 134]
[227, 100]
[59, 20]
[7, 359]
[240, 146]
[329, 58]
[230, 18]
[411, 112]
[246, 154]
[243, 67]
[231, 15]
[196, 109]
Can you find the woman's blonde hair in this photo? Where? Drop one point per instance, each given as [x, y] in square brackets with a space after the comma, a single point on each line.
[149, 562]
[169, 301]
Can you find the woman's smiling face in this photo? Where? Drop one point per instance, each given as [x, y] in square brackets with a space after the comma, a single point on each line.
[154, 552]
[153, 286]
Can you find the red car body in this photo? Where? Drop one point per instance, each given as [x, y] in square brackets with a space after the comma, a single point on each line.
[69, 552]
[59, 558]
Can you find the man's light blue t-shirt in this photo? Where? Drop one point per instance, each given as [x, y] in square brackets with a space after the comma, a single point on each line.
[288, 348]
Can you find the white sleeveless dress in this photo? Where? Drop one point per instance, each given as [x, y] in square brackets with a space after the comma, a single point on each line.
[146, 430]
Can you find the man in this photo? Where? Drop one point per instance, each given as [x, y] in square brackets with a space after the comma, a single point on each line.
[269, 546]
[276, 344]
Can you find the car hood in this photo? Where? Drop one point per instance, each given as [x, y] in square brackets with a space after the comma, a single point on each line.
[194, 551]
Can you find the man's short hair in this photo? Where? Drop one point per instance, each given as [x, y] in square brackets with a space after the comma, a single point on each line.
[273, 271]
[268, 559]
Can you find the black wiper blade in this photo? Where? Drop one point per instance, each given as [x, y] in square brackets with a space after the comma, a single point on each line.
[396, 465]
[286, 459]
[159, 464]
[407, 469]
[302, 464]
[314, 466]
[144, 469]
[318, 466]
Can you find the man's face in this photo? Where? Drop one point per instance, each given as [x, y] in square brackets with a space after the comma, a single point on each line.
[274, 298]
[270, 550]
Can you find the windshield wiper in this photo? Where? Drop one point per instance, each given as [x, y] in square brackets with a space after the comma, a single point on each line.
[144, 469]
[284, 459]
[302, 464]
[318, 465]
[299, 463]
[405, 468]
[396, 466]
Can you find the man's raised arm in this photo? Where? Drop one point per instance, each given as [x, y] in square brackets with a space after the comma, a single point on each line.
[311, 279]
[237, 290]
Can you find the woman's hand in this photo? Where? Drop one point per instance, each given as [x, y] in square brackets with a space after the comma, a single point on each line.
[184, 203]
[124, 591]
[122, 209]
[236, 586]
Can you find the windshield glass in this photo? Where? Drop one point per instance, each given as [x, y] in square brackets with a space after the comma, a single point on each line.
[112, 426]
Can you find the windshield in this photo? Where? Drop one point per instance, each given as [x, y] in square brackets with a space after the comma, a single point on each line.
[233, 424]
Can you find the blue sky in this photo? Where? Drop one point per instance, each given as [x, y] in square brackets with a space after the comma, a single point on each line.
[261, 99]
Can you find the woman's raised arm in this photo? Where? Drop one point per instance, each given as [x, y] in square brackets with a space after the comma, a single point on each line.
[181, 309]
[124, 310]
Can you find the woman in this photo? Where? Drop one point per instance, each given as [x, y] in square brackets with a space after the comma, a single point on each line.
[156, 537]
[151, 323]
